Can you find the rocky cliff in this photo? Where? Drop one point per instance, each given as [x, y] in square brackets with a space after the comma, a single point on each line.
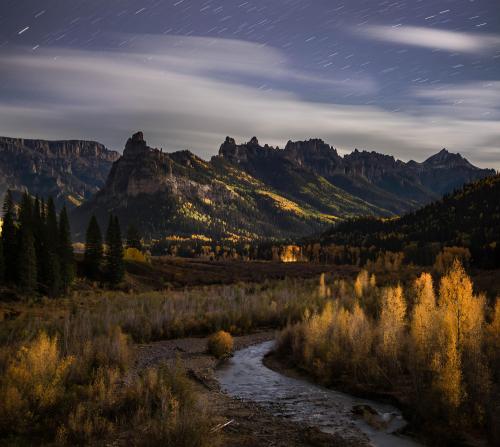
[70, 171]
[380, 180]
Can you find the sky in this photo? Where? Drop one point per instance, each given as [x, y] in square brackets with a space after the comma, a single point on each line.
[402, 77]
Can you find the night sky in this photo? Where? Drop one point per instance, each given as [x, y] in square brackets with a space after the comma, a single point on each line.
[401, 77]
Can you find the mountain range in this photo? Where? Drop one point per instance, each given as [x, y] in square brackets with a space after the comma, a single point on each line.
[249, 190]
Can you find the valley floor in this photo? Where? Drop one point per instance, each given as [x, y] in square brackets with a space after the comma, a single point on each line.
[251, 425]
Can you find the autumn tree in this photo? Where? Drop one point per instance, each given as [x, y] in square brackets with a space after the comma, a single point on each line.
[392, 326]
[462, 316]
[422, 329]
[466, 311]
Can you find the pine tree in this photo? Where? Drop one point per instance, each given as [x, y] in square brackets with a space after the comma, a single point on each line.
[115, 269]
[40, 245]
[26, 259]
[66, 255]
[9, 238]
[93, 249]
[53, 280]
[134, 238]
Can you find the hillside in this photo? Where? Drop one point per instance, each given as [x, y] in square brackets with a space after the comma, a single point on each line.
[469, 217]
[252, 191]
[179, 193]
[70, 171]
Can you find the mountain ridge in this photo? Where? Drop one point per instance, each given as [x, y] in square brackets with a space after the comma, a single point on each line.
[249, 191]
[69, 170]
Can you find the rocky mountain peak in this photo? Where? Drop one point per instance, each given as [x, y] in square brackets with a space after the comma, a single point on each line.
[136, 145]
[444, 158]
[254, 142]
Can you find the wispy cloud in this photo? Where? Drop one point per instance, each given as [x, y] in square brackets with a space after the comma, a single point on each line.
[188, 98]
[472, 43]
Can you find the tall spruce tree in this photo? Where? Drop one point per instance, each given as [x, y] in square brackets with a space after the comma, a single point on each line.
[93, 249]
[53, 280]
[9, 238]
[39, 232]
[26, 258]
[134, 238]
[66, 256]
[115, 268]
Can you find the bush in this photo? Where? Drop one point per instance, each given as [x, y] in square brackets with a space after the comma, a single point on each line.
[34, 384]
[220, 344]
[135, 255]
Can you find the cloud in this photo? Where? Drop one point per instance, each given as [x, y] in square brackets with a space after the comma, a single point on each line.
[193, 96]
[471, 43]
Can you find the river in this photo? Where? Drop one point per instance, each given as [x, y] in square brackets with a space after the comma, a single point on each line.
[245, 376]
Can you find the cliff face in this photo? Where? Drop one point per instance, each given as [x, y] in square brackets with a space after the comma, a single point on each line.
[70, 171]
[380, 180]
[250, 191]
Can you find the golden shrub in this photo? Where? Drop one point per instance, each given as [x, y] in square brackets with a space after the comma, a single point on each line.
[220, 344]
[135, 255]
[34, 382]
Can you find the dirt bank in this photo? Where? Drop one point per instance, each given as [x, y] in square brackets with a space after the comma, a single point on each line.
[251, 426]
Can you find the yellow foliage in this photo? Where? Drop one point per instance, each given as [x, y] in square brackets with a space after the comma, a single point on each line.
[392, 324]
[323, 290]
[361, 284]
[466, 311]
[446, 365]
[423, 320]
[34, 381]
[220, 344]
[135, 255]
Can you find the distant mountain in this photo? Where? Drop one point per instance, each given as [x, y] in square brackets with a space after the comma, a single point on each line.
[470, 217]
[249, 190]
[70, 171]
[390, 185]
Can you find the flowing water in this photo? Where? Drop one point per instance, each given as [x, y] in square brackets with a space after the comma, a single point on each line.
[244, 376]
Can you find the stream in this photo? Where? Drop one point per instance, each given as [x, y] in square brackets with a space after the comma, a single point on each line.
[245, 377]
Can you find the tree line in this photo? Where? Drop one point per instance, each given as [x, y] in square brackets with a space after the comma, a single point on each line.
[469, 218]
[36, 250]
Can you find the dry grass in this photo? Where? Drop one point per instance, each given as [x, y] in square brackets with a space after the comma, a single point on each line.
[65, 363]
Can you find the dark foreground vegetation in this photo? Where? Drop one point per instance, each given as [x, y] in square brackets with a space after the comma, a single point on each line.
[66, 365]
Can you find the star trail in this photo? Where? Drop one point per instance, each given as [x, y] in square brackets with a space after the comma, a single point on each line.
[400, 77]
